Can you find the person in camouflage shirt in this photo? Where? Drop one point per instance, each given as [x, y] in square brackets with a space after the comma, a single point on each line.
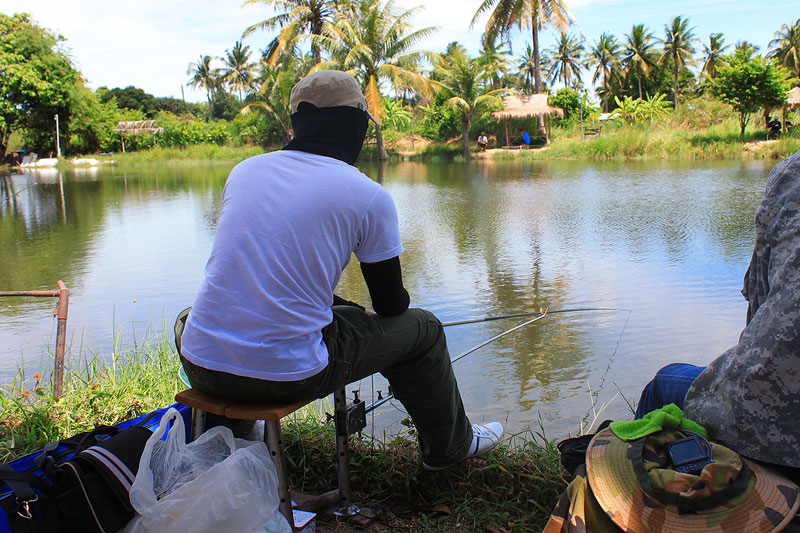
[748, 397]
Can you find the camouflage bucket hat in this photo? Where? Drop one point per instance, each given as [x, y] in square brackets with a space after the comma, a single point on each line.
[635, 485]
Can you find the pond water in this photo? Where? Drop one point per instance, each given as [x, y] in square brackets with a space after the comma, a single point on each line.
[662, 246]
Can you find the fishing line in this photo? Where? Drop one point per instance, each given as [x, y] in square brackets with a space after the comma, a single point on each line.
[522, 315]
[9, 197]
[608, 368]
[543, 313]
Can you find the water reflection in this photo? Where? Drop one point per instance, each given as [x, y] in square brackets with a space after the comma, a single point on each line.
[668, 241]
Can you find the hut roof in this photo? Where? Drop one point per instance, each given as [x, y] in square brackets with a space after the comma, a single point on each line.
[137, 126]
[526, 105]
[794, 98]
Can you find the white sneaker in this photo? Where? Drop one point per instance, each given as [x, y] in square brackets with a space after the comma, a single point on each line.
[484, 438]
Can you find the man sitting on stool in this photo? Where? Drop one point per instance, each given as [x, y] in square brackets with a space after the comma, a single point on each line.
[266, 326]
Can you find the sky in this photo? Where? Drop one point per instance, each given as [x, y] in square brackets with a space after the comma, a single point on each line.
[150, 43]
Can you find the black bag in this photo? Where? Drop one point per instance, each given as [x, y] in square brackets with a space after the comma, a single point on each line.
[573, 450]
[81, 484]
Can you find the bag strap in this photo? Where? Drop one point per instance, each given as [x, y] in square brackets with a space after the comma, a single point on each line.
[21, 482]
[21, 485]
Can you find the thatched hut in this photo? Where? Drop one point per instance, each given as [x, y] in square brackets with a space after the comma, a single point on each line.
[526, 106]
[137, 127]
[792, 102]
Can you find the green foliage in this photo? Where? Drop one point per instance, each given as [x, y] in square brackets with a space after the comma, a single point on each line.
[569, 100]
[395, 115]
[224, 106]
[36, 79]
[640, 110]
[439, 121]
[181, 132]
[750, 83]
[137, 99]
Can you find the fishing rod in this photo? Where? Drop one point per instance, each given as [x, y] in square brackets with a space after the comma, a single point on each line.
[542, 313]
[523, 315]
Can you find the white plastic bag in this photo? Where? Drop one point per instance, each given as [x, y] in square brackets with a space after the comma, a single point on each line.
[216, 483]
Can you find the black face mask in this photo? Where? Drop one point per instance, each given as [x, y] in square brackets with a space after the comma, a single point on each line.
[336, 132]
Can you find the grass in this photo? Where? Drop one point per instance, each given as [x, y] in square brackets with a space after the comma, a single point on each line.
[191, 154]
[662, 141]
[513, 487]
[96, 392]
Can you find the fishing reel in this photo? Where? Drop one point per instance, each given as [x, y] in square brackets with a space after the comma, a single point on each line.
[350, 416]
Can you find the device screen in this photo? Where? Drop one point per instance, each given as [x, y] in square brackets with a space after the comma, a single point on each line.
[686, 452]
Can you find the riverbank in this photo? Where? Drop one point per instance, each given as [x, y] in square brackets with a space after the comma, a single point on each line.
[615, 143]
[514, 487]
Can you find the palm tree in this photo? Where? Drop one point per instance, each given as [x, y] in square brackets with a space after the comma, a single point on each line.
[527, 67]
[525, 13]
[639, 53]
[295, 18]
[678, 48]
[786, 47]
[505, 14]
[605, 54]
[237, 71]
[371, 41]
[715, 54]
[746, 49]
[467, 82]
[203, 76]
[494, 60]
[567, 59]
[275, 91]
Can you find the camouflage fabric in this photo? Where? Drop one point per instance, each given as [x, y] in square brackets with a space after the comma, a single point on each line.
[711, 501]
[749, 396]
[577, 511]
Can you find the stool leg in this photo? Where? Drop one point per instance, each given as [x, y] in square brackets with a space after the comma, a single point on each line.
[346, 508]
[198, 423]
[274, 441]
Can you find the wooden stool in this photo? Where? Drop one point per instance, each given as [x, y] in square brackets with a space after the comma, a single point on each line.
[271, 414]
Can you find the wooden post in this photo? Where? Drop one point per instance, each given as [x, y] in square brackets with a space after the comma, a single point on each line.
[122, 138]
[508, 143]
[61, 336]
[59, 312]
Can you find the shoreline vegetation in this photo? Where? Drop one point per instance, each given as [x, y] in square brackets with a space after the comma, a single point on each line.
[616, 142]
[512, 488]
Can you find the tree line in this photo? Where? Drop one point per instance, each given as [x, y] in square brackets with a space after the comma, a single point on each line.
[441, 93]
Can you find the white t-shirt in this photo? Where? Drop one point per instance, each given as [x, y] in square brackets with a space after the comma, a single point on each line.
[290, 221]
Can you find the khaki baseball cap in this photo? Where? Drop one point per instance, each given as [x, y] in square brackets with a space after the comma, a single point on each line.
[329, 88]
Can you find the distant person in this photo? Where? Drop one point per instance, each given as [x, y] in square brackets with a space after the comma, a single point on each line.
[266, 326]
[483, 142]
[748, 397]
[773, 128]
[524, 138]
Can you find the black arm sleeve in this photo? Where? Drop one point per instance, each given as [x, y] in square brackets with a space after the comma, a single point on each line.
[385, 284]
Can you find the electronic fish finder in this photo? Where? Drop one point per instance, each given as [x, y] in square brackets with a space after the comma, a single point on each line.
[690, 454]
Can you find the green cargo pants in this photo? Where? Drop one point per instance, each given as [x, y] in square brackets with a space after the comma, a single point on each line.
[409, 350]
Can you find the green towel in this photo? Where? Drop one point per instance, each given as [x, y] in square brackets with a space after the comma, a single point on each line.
[668, 417]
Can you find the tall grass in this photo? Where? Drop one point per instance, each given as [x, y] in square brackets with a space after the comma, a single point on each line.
[663, 141]
[96, 392]
[191, 154]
